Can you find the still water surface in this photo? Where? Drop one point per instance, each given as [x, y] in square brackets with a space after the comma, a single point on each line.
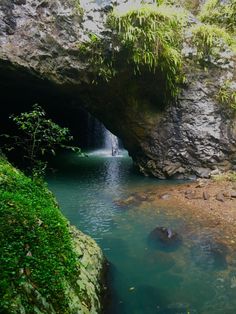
[199, 276]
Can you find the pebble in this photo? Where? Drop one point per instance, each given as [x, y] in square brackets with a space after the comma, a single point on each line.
[165, 196]
[205, 195]
[220, 197]
[233, 194]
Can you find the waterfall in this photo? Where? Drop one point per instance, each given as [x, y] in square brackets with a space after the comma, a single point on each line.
[101, 139]
[111, 142]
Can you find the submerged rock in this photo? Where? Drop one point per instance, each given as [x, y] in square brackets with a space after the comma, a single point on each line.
[164, 238]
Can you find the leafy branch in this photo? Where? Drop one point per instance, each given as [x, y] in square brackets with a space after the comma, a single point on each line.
[38, 136]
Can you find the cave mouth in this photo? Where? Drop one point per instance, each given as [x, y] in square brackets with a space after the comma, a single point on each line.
[19, 92]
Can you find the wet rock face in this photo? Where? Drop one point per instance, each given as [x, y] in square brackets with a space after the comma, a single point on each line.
[191, 137]
[43, 37]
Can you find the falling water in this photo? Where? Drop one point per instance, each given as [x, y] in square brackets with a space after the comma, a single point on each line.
[111, 142]
[101, 139]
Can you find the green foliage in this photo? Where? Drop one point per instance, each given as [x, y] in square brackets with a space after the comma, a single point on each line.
[78, 7]
[150, 37]
[38, 136]
[36, 253]
[228, 176]
[227, 95]
[210, 41]
[191, 5]
[145, 38]
[219, 13]
[94, 52]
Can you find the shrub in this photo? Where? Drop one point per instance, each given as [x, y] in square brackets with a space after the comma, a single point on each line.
[210, 41]
[100, 61]
[38, 135]
[219, 13]
[227, 95]
[150, 37]
[144, 38]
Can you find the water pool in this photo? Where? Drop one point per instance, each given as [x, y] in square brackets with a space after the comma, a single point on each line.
[199, 276]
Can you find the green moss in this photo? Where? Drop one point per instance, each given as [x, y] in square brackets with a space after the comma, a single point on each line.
[40, 263]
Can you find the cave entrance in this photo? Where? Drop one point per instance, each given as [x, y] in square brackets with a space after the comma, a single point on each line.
[20, 94]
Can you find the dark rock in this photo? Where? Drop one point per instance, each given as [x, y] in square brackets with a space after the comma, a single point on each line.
[189, 194]
[220, 197]
[233, 194]
[206, 196]
[164, 239]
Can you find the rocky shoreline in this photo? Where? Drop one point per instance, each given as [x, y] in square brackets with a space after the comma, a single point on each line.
[210, 201]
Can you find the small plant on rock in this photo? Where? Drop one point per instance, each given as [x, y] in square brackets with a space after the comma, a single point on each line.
[219, 13]
[210, 41]
[227, 95]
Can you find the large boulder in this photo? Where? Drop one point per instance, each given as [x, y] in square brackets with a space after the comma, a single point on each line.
[39, 46]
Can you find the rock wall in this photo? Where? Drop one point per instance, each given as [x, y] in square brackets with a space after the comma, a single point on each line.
[39, 43]
[90, 282]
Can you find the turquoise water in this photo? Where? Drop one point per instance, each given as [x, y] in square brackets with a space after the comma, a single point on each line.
[105, 198]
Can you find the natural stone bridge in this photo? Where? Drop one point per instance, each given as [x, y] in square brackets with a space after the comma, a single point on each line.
[39, 54]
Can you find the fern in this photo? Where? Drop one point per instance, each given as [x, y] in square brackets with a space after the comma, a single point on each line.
[227, 95]
[210, 41]
[151, 38]
[218, 13]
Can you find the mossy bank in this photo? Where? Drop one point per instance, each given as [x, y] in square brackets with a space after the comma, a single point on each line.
[47, 266]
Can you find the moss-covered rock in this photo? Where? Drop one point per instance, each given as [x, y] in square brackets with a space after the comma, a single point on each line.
[46, 265]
